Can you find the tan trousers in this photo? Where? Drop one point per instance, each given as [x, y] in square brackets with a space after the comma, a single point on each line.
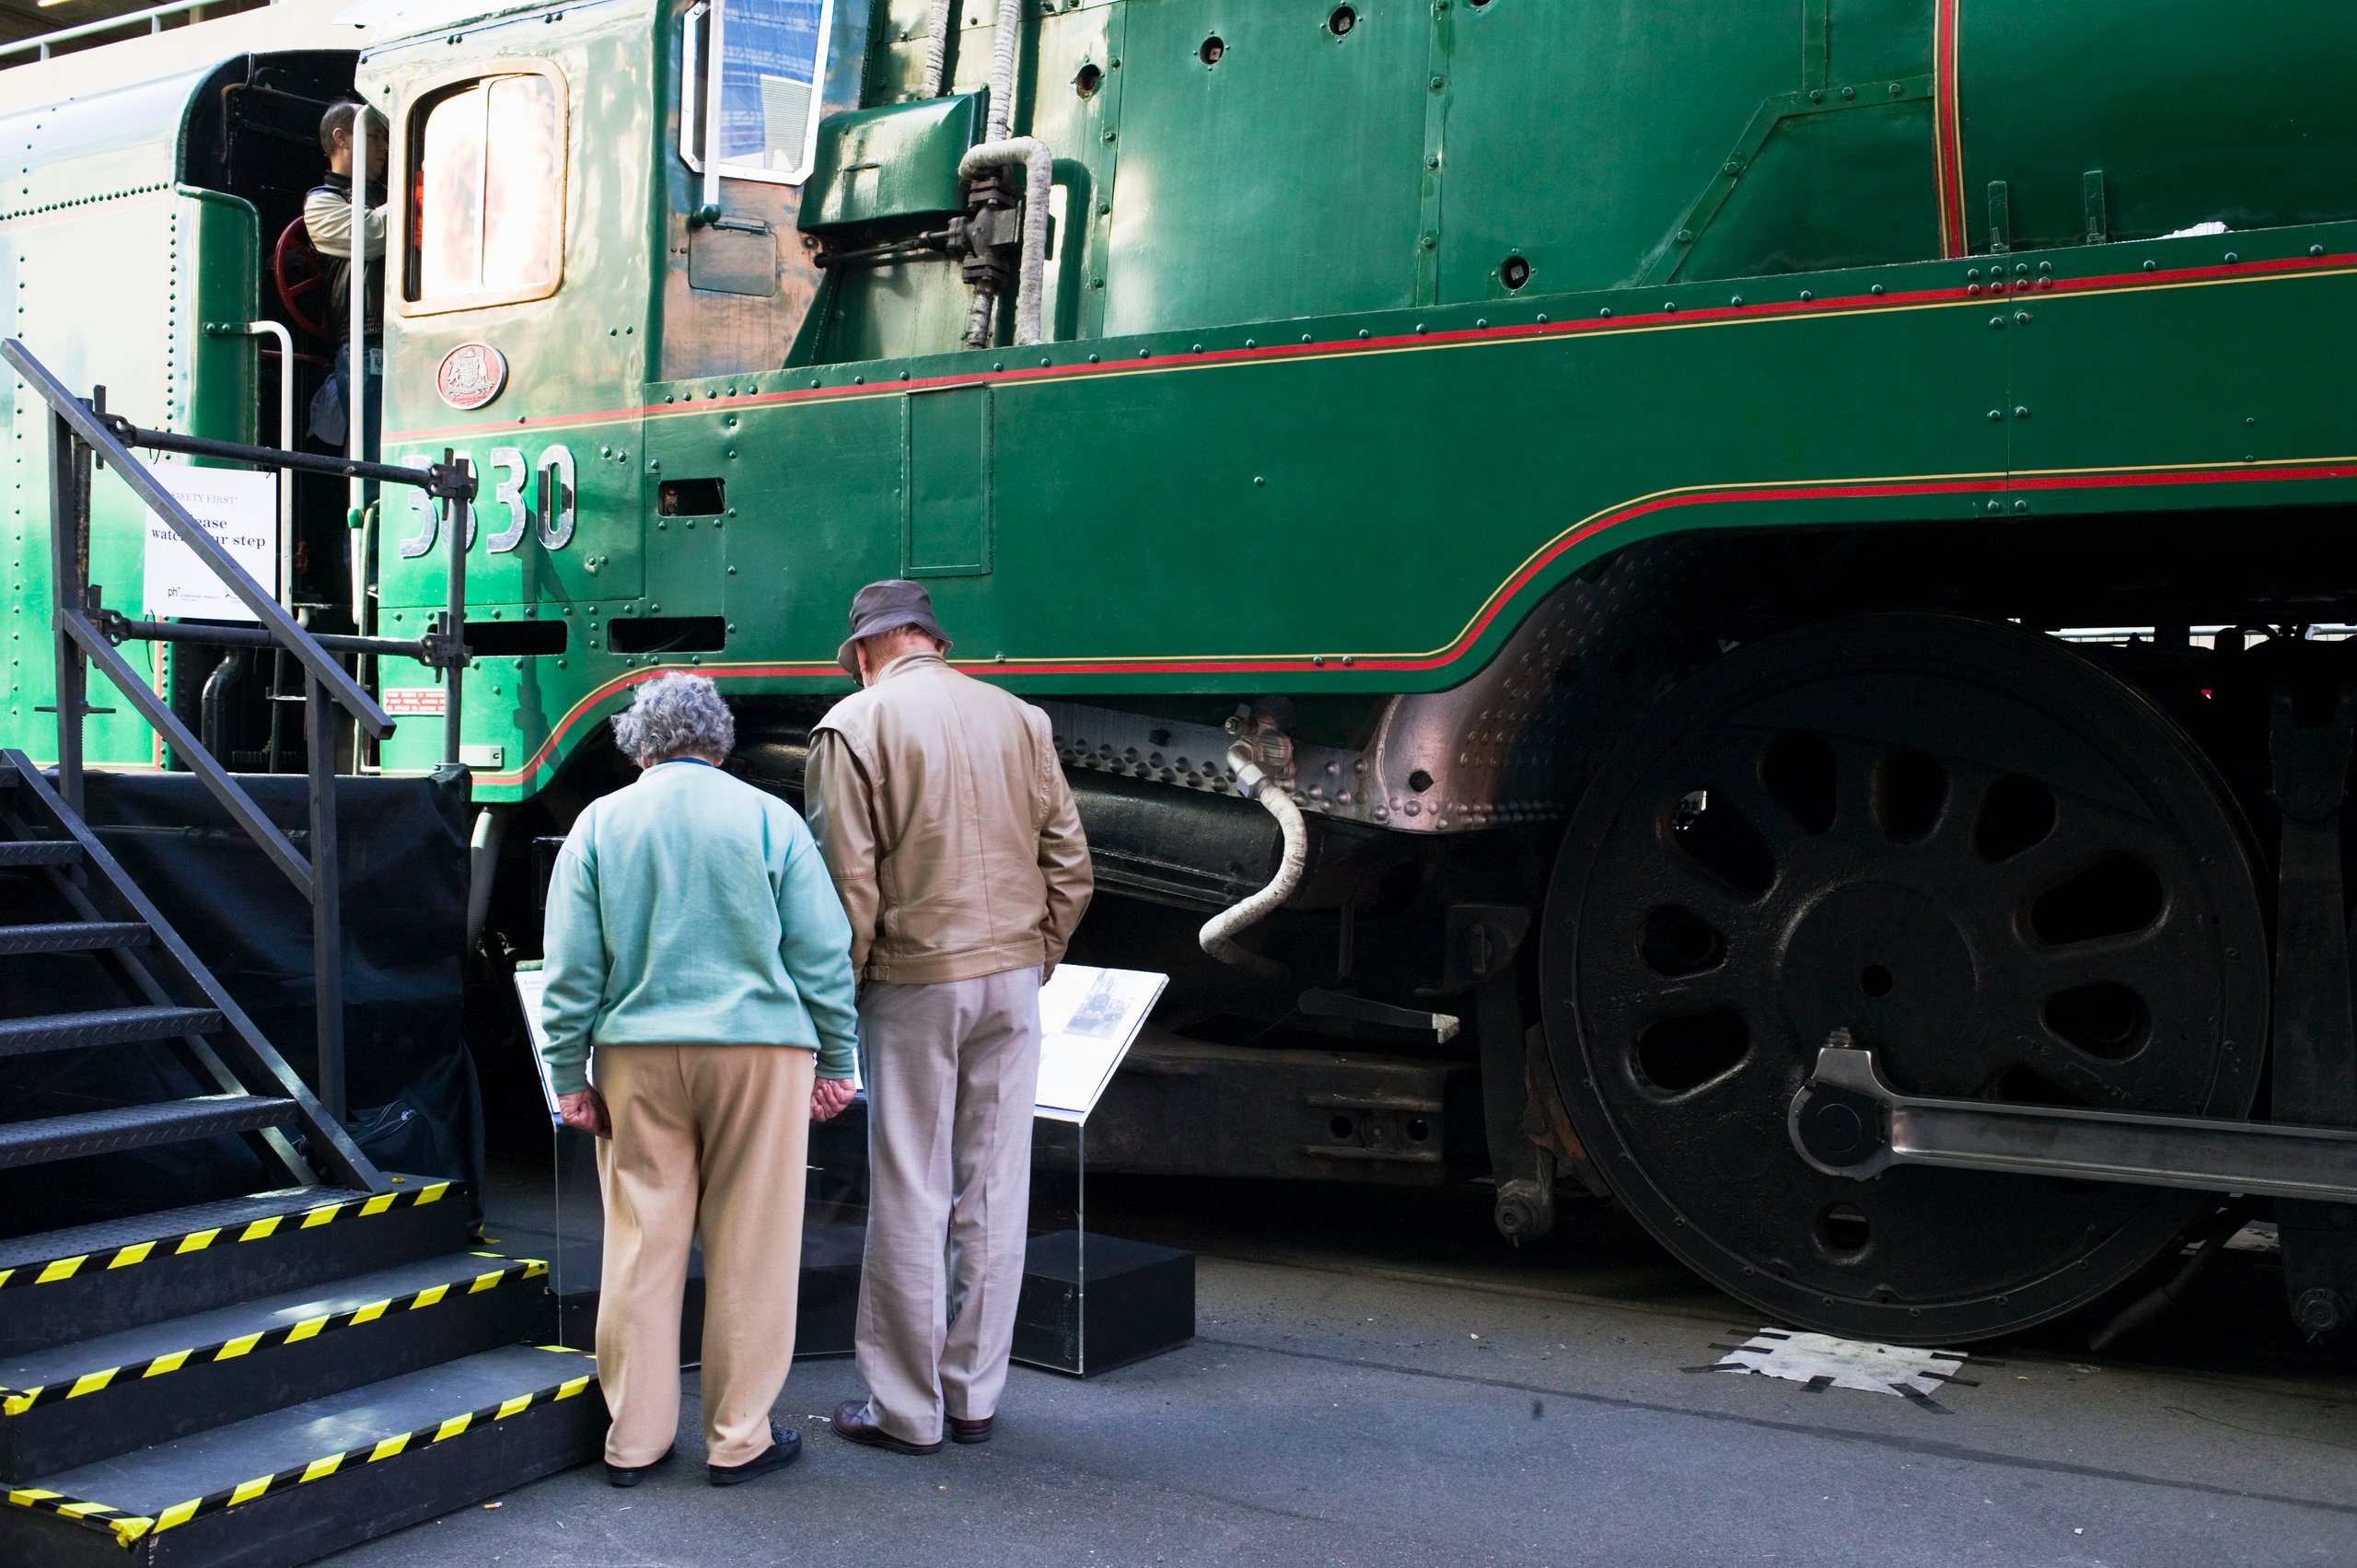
[709, 1138]
[952, 1072]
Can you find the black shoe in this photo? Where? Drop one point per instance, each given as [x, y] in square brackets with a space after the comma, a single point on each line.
[851, 1424]
[630, 1475]
[964, 1431]
[785, 1446]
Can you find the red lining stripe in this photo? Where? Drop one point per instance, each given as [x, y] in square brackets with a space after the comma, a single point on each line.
[1947, 128]
[1499, 600]
[1912, 299]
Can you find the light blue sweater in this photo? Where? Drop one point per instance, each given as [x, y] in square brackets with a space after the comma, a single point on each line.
[690, 909]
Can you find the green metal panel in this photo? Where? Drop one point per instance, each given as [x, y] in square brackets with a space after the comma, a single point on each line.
[1641, 102]
[876, 165]
[1280, 175]
[1082, 128]
[1827, 191]
[2170, 99]
[163, 263]
[950, 482]
[2138, 385]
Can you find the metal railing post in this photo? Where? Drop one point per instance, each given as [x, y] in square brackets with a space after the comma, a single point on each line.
[69, 535]
[454, 591]
[327, 897]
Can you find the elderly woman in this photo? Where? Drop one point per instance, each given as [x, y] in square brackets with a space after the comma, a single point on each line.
[696, 943]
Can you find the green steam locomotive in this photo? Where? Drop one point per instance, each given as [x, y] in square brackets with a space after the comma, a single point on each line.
[1556, 513]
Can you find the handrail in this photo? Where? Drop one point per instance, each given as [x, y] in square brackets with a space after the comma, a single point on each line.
[154, 17]
[87, 634]
[85, 424]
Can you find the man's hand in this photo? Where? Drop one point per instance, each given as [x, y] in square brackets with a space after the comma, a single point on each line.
[828, 1097]
[585, 1111]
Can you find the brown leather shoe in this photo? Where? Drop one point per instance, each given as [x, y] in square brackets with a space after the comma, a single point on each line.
[964, 1431]
[851, 1424]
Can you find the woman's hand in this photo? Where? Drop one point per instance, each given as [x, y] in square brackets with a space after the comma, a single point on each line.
[585, 1111]
[828, 1097]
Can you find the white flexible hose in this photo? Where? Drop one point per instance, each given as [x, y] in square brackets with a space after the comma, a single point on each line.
[1218, 936]
[1005, 44]
[936, 46]
[1031, 285]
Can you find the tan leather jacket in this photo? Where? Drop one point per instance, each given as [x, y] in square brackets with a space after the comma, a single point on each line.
[946, 823]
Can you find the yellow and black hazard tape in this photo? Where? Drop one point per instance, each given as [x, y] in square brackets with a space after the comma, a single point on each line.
[358, 1206]
[17, 1401]
[130, 1528]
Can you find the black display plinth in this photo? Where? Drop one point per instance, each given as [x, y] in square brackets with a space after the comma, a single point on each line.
[1086, 1310]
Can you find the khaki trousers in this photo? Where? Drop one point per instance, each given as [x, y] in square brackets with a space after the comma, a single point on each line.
[709, 1138]
[952, 1072]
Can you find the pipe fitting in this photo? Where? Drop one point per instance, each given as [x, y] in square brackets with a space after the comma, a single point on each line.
[1040, 176]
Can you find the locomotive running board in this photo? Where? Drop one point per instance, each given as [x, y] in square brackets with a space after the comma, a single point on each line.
[1847, 1121]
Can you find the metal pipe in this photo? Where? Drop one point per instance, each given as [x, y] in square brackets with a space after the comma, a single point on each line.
[152, 16]
[327, 898]
[355, 402]
[1039, 177]
[216, 635]
[454, 623]
[285, 443]
[482, 867]
[1218, 934]
[438, 479]
[69, 511]
[212, 710]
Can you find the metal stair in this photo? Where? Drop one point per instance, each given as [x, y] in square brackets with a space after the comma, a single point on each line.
[174, 1002]
[262, 1379]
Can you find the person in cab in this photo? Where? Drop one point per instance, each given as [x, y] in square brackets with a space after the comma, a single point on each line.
[326, 216]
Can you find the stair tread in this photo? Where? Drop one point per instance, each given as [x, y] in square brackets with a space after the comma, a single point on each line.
[165, 1021]
[151, 1480]
[72, 935]
[121, 1127]
[40, 852]
[134, 1348]
[110, 1236]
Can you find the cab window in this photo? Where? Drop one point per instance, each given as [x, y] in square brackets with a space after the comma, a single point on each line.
[486, 218]
[758, 116]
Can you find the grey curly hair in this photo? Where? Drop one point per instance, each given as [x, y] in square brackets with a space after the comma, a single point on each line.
[674, 714]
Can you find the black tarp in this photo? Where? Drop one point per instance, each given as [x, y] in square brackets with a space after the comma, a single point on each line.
[411, 1086]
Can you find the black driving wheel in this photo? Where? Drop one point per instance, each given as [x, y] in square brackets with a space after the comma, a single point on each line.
[2004, 871]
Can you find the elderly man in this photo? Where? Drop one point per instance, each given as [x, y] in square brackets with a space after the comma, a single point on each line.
[946, 820]
[694, 940]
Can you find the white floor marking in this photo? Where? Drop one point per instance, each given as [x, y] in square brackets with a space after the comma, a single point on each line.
[1824, 1362]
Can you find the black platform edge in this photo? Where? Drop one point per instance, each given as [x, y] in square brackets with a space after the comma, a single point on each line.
[106, 1411]
[307, 1511]
[57, 1297]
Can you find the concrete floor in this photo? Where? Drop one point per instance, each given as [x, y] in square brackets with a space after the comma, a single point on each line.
[1334, 1412]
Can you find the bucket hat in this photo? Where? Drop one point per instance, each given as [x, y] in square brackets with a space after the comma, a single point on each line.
[886, 607]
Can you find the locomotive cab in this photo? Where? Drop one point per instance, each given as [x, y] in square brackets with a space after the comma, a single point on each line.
[565, 248]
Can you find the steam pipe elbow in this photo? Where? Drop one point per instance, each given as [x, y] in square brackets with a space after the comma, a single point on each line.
[1218, 934]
